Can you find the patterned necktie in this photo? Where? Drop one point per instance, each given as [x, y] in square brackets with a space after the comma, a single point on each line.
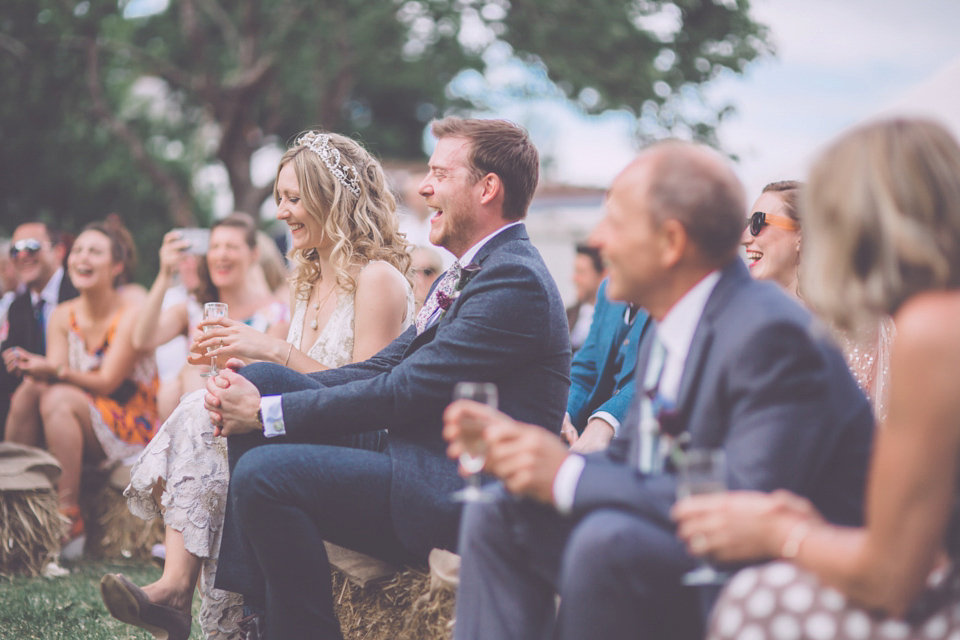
[650, 456]
[440, 300]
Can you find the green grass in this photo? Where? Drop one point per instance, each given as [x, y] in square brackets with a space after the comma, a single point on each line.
[70, 608]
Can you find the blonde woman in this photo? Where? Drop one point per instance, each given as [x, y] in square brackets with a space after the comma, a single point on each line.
[351, 298]
[882, 237]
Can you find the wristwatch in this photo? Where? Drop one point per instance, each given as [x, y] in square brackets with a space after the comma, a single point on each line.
[260, 418]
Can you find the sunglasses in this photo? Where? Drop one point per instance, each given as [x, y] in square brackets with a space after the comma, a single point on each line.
[29, 245]
[759, 220]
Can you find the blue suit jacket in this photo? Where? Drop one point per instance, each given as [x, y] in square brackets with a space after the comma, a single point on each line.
[763, 381]
[507, 326]
[602, 371]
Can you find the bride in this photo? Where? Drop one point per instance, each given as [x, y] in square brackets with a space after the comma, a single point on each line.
[351, 299]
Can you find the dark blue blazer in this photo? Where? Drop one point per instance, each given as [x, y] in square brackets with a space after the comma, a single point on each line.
[764, 382]
[507, 326]
[601, 375]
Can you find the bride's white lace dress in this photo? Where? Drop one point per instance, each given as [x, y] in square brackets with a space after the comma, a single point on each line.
[192, 464]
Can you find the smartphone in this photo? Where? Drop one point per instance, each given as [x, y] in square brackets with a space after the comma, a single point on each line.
[198, 238]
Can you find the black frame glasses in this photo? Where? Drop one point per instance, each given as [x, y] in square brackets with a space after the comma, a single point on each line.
[758, 220]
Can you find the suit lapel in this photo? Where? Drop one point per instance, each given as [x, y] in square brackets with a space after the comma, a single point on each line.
[730, 277]
[518, 232]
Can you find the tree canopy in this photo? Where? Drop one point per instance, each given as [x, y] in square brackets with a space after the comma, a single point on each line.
[105, 111]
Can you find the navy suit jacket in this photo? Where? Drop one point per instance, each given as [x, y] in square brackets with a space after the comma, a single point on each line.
[764, 382]
[507, 326]
[22, 331]
[603, 369]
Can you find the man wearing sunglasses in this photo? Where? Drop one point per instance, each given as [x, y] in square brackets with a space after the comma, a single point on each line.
[37, 256]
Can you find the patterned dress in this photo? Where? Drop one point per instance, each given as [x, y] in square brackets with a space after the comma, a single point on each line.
[192, 464]
[125, 420]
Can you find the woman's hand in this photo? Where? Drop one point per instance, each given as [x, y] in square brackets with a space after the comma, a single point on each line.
[29, 364]
[740, 526]
[226, 338]
[171, 252]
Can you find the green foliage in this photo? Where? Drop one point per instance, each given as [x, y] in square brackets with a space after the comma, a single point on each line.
[231, 76]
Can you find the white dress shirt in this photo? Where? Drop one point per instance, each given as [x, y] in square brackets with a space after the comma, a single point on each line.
[676, 333]
[271, 407]
[50, 294]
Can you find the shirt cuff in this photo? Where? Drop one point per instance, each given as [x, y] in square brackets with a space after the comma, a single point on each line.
[271, 408]
[609, 419]
[565, 482]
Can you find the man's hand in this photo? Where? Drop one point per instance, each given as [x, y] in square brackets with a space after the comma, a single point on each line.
[524, 456]
[568, 432]
[595, 437]
[232, 401]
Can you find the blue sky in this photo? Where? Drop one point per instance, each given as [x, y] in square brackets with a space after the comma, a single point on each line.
[838, 62]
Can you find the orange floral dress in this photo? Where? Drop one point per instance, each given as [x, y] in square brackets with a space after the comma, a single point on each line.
[126, 420]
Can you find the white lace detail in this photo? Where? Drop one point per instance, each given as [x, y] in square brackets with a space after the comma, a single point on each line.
[192, 464]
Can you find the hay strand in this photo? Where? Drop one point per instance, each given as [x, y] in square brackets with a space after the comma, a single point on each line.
[114, 532]
[30, 530]
[401, 607]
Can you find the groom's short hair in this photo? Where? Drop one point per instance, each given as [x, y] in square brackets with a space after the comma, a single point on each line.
[500, 147]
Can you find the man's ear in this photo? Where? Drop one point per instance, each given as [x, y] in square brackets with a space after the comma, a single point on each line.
[492, 188]
[674, 241]
[60, 250]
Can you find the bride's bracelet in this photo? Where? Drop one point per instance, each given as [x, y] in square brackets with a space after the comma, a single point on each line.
[289, 351]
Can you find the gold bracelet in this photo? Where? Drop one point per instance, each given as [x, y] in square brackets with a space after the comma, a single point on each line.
[289, 351]
[791, 546]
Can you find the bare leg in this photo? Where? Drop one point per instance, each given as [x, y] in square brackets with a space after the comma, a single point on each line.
[23, 422]
[180, 573]
[70, 437]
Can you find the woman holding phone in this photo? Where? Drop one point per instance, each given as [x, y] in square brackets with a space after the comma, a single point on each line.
[224, 275]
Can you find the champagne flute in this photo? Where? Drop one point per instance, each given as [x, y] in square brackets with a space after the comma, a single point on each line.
[702, 471]
[471, 438]
[213, 310]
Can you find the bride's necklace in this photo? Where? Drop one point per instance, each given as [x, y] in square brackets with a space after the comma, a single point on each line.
[319, 305]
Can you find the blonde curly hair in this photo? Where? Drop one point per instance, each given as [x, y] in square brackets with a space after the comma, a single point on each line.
[363, 229]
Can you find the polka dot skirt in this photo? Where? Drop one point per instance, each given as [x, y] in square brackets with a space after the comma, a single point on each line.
[777, 601]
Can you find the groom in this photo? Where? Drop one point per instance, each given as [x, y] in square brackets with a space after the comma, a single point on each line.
[497, 319]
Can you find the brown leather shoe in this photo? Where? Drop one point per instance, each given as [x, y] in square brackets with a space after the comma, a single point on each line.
[252, 627]
[128, 603]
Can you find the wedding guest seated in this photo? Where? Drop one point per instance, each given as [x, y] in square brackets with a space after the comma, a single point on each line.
[95, 397]
[588, 273]
[601, 374]
[426, 267]
[226, 274]
[37, 253]
[772, 239]
[735, 365]
[495, 316]
[882, 225]
[9, 283]
[350, 299]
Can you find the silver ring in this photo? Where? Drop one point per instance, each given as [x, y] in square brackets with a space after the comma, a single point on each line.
[698, 543]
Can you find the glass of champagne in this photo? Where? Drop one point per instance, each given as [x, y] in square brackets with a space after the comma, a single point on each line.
[702, 471]
[471, 438]
[213, 310]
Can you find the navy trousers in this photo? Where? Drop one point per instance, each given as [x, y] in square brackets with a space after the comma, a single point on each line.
[284, 501]
[617, 574]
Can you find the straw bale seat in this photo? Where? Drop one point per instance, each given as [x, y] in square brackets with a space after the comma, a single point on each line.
[376, 601]
[112, 531]
[30, 521]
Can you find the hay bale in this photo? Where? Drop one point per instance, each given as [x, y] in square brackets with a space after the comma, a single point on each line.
[30, 531]
[112, 531]
[402, 607]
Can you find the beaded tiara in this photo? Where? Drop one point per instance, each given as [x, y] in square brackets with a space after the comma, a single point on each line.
[319, 143]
